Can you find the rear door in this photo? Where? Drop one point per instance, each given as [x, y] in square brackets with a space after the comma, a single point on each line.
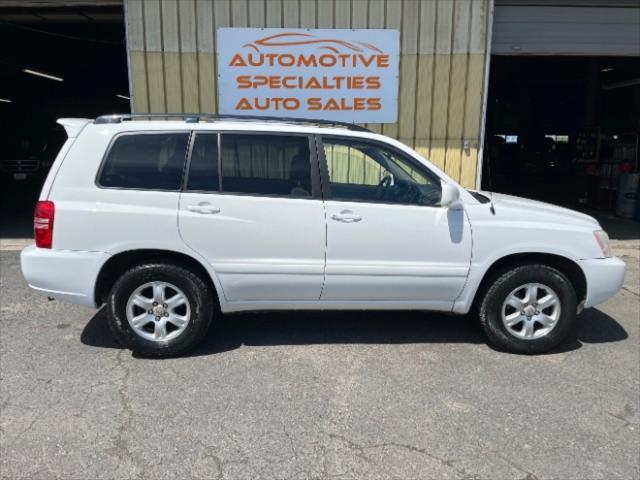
[252, 207]
[388, 238]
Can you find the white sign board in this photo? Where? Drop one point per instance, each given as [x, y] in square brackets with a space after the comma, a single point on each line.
[345, 75]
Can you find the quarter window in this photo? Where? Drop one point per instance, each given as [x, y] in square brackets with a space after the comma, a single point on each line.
[370, 172]
[153, 161]
[266, 164]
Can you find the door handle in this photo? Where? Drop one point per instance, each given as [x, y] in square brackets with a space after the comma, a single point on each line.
[346, 216]
[205, 208]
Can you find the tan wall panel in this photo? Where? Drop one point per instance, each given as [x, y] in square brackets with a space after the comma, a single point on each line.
[473, 111]
[207, 83]
[469, 167]
[437, 151]
[453, 157]
[424, 100]
[139, 81]
[173, 81]
[457, 95]
[440, 106]
[407, 104]
[442, 66]
[421, 147]
[155, 79]
[190, 82]
[456, 114]
[475, 87]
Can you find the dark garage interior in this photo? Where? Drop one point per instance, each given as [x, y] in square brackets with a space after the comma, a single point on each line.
[61, 62]
[562, 129]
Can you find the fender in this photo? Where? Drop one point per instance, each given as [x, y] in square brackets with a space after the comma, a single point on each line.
[182, 249]
[478, 271]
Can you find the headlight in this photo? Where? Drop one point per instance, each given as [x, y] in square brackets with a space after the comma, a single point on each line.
[603, 241]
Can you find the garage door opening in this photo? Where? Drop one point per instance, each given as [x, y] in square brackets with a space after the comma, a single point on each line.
[562, 129]
[62, 62]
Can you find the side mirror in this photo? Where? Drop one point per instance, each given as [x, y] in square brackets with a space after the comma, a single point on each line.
[450, 196]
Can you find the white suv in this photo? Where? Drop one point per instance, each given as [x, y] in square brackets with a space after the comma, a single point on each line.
[169, 220]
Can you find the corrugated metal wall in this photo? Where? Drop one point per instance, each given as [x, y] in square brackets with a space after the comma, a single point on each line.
[563, 30]
[444, 47]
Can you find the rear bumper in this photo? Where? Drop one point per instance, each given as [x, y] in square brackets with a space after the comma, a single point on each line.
[63, 274]
[605, 277]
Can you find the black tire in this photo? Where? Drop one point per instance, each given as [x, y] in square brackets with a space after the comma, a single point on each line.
[490, 308]
[198, 294]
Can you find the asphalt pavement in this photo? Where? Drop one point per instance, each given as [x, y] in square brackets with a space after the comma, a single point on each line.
[316, 395]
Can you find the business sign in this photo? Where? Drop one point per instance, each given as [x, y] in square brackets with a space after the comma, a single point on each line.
[345, 75]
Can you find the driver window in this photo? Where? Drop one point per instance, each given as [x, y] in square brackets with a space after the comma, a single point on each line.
[369, 172]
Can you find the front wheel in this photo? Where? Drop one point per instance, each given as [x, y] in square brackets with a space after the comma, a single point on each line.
[528, 309]
[160, 310]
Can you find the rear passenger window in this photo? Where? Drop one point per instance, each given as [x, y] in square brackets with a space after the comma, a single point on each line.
[266, 164]
[203, 168]
[153, 161]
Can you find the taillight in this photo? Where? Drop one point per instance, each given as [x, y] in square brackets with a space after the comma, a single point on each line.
[43, 223]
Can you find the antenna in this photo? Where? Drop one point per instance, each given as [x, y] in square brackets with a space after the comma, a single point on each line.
[487, 155]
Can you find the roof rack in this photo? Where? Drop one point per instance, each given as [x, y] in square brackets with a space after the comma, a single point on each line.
[209, 117]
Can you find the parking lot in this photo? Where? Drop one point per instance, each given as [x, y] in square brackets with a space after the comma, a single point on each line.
[317, 395]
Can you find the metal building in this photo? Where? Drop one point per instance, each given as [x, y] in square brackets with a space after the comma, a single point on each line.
[444, 48]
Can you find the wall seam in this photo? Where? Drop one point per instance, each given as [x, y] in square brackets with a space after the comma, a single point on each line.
[433, 76]
[162, 60]
[126, 46]
[195, 27]
[485, 93]
[181, 76]
[466, 90]
[264, 13]
[416, 82]
[144, 55]
[215, 59]
[451, 49]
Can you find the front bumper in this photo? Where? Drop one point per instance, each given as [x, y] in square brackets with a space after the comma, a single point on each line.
[63, 274]
[605, 277]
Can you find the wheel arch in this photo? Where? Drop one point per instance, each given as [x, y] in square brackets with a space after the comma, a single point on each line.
[119, 263]
[565, 265]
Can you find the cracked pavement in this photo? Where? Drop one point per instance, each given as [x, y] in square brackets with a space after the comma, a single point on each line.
[316, 395]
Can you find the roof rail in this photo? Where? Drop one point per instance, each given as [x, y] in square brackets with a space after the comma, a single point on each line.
[209, 117]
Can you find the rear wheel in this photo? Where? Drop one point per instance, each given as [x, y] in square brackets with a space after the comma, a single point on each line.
[160, 310]
[528, 309]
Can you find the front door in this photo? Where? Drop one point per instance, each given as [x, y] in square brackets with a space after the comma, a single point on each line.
[252, 208]
[388, 240]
